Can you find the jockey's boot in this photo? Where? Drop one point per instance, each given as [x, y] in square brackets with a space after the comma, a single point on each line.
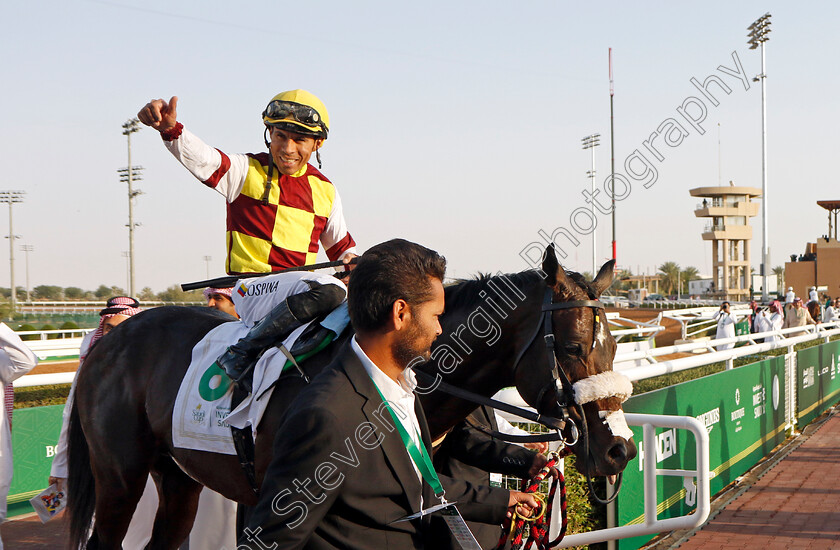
[239, 359]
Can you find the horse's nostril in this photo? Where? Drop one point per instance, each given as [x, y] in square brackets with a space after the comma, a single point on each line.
[618, 452]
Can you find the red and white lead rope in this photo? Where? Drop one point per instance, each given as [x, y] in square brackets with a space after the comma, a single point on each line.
[514, 528]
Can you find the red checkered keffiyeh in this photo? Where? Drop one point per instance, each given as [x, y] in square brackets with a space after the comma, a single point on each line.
[10, 402]
[121, 305]
[211, 290]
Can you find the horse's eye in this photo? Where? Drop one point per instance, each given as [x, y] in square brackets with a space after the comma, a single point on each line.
[572, 349]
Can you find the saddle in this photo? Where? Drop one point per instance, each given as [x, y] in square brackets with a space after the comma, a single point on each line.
[314, 338]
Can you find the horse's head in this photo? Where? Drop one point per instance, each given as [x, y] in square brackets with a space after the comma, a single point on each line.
[575, 339]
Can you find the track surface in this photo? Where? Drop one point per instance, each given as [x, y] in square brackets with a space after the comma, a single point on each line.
[795, 505]
[29, 533]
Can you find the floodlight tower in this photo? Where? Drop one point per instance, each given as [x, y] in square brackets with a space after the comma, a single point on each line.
[758, 36]
[129, 175]
[591, 142]
[12, 197]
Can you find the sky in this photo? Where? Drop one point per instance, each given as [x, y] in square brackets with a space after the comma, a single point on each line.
[457, 125]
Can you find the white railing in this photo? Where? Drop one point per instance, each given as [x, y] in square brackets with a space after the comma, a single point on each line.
[701, 318]
[44, 334]
[32, 380]
[50, 349]
[635, 373]
[621, 327]
[86, 307]
[652, 524]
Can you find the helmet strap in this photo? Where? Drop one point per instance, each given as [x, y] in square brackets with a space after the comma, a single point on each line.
[265, 138]
[318, 157]
[268, 180]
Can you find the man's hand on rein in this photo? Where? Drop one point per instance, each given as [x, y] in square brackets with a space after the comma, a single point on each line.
[523, 503]
[540, 460]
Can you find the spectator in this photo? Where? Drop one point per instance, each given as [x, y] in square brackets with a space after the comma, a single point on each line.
[725, 326]
[832, 311]
[798, 316]
[789, 296]
[15, 360]
[219, 298]
[762, 320]
[776, 319]
[812, 295]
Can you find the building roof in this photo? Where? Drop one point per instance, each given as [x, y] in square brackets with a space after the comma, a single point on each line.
[830, 205]
[722, 190]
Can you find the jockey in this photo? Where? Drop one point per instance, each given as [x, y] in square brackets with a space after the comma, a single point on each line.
[279, 208]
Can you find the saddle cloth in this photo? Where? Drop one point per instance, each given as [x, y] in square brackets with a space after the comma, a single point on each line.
[201, 418]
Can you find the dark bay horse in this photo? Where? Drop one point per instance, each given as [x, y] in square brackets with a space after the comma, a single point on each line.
[121, 423]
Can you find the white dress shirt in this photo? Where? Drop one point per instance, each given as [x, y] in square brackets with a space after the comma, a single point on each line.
[400, 397]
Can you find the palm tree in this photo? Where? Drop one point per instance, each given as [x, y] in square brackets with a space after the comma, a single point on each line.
[779, 272]
[670, 272]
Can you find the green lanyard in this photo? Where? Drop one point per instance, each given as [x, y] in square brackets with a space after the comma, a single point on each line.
[421, 459]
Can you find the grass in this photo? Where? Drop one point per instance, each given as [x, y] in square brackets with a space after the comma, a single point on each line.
[40, 396]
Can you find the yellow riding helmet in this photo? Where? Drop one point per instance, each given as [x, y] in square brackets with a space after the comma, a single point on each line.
[299, 111]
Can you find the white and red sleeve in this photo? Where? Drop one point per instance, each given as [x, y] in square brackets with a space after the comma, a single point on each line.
[335, 238]
[215, 169]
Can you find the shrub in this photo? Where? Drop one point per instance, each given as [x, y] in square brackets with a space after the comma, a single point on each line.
[25, 328]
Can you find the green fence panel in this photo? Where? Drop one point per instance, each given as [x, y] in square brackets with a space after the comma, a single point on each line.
[34, 435]
[744, 412]
[817, 380]
[742, 327]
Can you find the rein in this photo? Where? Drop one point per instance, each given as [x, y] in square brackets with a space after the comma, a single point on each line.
[514, 528]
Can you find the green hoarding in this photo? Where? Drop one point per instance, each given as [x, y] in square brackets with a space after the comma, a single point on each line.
[817, 380]
[34, 435]
[744, 412]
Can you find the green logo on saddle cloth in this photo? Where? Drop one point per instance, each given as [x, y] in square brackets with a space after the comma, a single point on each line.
[214, 383]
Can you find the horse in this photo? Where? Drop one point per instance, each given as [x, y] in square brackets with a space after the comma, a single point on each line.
[121, 421]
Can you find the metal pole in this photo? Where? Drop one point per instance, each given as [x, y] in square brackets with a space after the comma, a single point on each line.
[592, 210]
[765, 253]
[207, 264]
[27, 248]
[590, 142]
[130, 222]
[612, 161]
[130, 174]
[126, 255]
[12, 257]
[759, 34]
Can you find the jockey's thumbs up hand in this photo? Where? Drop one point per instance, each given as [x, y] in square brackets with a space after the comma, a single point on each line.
[159, 114]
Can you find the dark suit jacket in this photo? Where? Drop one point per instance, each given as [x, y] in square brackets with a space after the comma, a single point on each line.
[341, 474]
[470, 455]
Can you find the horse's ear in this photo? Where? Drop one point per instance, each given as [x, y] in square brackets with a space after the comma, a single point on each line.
[604, 278]
[550, 265]
[553, 272]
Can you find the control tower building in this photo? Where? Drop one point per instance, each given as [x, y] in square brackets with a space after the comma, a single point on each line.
[729, 209]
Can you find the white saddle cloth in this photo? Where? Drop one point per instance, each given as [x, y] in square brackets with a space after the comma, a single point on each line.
[201, 418]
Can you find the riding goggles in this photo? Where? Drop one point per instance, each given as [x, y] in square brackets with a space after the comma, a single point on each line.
[279, 111]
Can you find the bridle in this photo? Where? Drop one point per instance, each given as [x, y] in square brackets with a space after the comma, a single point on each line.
[560, 383]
